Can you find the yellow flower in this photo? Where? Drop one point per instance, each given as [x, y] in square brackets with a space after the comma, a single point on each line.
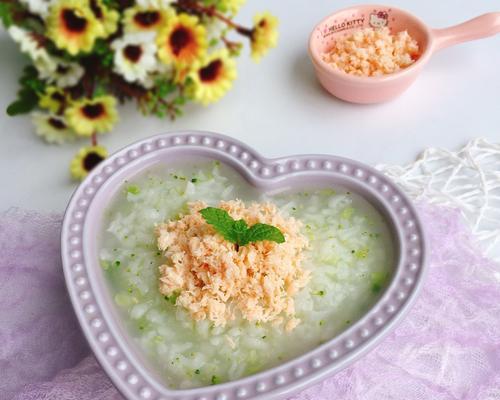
[264, 34]
[53, 99]
[145, 18]
[213, 76]
[233, 6]
[72, 26]
[85, 160]
[90, 116]
[52, 128]
[182, 41]
[107, 17]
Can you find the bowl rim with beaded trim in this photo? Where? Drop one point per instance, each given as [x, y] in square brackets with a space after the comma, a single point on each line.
[112, 349]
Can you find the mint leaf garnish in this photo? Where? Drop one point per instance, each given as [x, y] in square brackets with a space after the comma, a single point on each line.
[221, 221]
[263, 232]
[238, 231]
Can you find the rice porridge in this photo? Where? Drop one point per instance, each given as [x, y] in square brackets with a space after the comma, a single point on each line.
[343, 261]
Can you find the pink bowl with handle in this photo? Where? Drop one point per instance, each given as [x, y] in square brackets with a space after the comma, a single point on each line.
[378, 89]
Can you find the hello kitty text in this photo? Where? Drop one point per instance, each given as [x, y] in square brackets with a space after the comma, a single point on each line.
[345, 25]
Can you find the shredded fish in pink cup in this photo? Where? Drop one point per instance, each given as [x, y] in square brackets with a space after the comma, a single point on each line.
[373, 52]
[376, 88]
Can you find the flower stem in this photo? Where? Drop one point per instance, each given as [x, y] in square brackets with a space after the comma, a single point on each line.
[194, 6]
[231, 45]
[94, 139]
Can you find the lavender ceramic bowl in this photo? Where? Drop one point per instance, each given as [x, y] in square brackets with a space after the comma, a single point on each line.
[115, 350]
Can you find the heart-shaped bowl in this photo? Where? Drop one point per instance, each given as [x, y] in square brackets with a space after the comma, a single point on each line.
[116, 349]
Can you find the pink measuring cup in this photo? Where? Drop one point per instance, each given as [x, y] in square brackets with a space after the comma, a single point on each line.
[366, 90]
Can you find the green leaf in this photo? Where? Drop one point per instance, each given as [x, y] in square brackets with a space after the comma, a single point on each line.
[26, 102]
[113, 4]
[164, 87]
[18, 107]
[27, 97]
[260, 232]
[101, 48]
[5, 14]
[107, 60]
[180, 100]
[100, 90]
[240, 229]
[29, 80]
[238, 232]
[29, 72]
[221, 221]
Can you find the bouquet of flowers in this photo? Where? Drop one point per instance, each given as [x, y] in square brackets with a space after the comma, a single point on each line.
[88, 55]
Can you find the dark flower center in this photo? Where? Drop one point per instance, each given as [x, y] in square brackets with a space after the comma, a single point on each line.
[61, 69]
[147, 18]
[210, 72]
[91, 160]
[57, 96]
[179, 39]
[96, 9]
[73, 22]
[263, 23]
[133, 52]
[93, 111]
[39, 39]
[57, 123]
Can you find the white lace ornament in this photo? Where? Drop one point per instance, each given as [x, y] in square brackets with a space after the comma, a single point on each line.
[468, 179]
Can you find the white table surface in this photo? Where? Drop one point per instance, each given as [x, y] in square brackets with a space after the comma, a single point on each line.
[278, 108]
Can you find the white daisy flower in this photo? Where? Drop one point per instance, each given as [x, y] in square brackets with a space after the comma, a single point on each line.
[38, 7]
[26, 41]
[65, 74]
[29, 45]
[135, 57]
[157, 4]
[43, 62]
[52, 128]
[46, 66]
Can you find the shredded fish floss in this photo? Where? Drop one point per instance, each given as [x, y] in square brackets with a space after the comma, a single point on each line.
[215, 280]
[373, 52]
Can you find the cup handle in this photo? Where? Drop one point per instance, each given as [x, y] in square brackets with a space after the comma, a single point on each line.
[480, 27]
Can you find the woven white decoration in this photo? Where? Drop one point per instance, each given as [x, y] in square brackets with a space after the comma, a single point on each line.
[468, 179]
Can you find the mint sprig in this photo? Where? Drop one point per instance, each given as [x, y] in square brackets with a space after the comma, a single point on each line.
[237, 231]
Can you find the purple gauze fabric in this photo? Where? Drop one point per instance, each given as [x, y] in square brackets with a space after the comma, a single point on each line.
[448, 347]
